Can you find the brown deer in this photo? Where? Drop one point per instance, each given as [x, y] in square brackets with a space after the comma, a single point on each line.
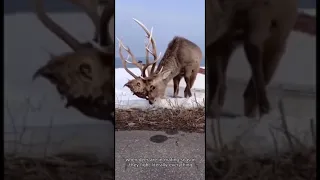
[181, 59]
[84, 77]
[262, 26]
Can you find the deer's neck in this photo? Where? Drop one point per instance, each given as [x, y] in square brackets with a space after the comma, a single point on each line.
[169, 64]
[222, 21]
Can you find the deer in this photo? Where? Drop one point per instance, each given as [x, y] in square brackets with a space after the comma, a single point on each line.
[262, 27]
[181, 59]
[84, 77]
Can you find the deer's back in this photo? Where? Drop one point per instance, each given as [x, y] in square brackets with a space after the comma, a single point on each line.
[236, 14]
[184, 51]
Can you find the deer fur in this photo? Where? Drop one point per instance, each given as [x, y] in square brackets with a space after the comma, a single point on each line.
[85, 77]
[182, 58]
[262, 27]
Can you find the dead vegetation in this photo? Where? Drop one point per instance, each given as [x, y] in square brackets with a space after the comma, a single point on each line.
[21, 165]
[239, 166]
[232, 163]
[162, 119]
[60, 167]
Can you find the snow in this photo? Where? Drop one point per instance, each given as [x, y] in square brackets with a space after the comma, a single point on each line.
[126, 99]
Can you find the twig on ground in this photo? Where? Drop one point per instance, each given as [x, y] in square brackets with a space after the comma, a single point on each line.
[284, 123]
[312, 129]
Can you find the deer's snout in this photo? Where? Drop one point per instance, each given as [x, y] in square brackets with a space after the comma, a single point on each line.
[151, 101]
[127, 85]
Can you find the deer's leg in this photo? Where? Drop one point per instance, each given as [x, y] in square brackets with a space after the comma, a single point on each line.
[258, 81]
[176, 82]
[258, 32]
[187, 78]
[273, 52]
[218, 56]
[193, 78]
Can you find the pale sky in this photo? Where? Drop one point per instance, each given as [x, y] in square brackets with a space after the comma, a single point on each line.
[168, 19]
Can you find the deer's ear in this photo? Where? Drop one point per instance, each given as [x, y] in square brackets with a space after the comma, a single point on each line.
[166, 74]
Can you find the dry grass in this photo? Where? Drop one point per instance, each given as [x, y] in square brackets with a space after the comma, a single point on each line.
[298, 163]
[67, 166]
[178, 119]
[60, 167]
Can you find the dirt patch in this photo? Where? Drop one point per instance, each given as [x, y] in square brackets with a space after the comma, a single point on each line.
[237, 166]
[60, 167]
[180, 119]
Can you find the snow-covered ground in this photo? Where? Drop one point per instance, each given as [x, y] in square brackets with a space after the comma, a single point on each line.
[125, 98]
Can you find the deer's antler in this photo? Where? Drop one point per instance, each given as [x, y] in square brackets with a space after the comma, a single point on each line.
[148, 63]
[154, 49]
[105, 37]
[100, 22]
[142, 67]
[125, 61]
[90, 8]
[55, 28]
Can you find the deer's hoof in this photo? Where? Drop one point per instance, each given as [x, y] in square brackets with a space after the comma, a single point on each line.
[251, 114]
[250, 108]
[187, 94]
[176, 96]
[264, 108]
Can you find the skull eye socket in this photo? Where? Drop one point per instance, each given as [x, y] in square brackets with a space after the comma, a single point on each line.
[138, 84]
[152, 87]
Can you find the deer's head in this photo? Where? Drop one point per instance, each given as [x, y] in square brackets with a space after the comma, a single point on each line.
[149, 83]
[84, 77]
[155, 85]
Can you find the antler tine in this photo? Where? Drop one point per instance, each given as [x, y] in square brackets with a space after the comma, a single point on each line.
[154, 48]
[157, 58]
[150, 77]
[134, 61]
[147, 65]
[105, 35]
[91, 9]
[149, 42]
[125, 61]
[148, 51]
[160, 70]
[54, 27]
